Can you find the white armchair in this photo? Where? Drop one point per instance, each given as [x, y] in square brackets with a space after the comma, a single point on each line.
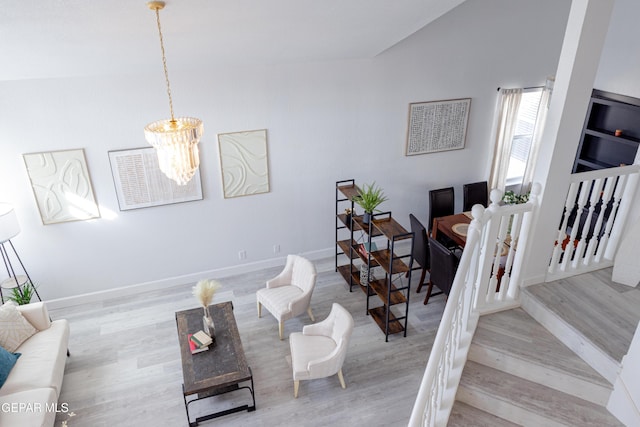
[289, 294]
[319, 350]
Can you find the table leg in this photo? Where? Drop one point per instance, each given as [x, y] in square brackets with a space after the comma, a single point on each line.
[226, 411]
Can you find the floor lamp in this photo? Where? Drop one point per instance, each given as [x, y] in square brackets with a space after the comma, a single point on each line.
[9, 228]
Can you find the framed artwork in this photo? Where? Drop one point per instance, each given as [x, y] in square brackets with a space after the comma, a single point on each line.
[140, 183]
[61, 186]
[437, 126]
[244, 163]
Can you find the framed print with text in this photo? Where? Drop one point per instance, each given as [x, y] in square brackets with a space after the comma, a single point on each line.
[437, 126]
[140, 183]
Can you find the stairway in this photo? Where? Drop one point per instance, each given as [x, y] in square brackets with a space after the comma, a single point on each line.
[517, 373]
[520, 373]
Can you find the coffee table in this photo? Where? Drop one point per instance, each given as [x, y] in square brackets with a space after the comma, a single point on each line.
[218, 370]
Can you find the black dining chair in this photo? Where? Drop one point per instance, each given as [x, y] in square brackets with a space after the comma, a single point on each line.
[441, 203]
[444, 265]
[475, 194]
[420, 251]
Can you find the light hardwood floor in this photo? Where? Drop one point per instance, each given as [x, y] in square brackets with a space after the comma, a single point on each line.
[125, 369]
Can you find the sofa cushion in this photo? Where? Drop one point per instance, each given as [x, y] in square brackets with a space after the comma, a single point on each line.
[37, 314]
[277, 300]
[14, 328]
[35, 408]
[7, 361]
[42, 362]
[307, 348]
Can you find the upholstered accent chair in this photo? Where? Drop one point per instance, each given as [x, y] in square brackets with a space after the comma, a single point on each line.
[320, 349]
[289, 294]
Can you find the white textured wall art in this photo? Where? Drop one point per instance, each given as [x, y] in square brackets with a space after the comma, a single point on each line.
[244, 163]
[61, 186]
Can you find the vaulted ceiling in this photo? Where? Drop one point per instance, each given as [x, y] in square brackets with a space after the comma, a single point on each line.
[59, 38]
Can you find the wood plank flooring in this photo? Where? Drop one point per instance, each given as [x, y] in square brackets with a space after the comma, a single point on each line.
[125, 369]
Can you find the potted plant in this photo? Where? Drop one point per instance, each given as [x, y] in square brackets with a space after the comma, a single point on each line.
[512, 198]
[369, 197]
[23, 295]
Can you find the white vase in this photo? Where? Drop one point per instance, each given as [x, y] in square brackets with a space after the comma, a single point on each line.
[207, 322]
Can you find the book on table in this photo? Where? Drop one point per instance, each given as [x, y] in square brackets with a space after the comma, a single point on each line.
[201, 338]
[195, 348]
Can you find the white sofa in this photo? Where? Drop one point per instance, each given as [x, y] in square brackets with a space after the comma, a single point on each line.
[29, 396]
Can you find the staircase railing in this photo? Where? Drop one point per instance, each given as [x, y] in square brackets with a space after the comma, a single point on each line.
[487, 280]
[595, 213]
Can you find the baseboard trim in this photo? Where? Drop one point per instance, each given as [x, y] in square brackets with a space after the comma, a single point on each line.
[169, 282]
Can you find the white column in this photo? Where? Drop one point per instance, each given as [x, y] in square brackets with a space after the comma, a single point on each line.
[579, 59]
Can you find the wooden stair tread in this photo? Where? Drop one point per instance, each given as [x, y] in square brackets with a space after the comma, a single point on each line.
[518, 335]
[522, 401]
[463, 415]
[613, 314]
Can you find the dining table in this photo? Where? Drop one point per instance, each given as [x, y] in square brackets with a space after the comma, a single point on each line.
[453, 226]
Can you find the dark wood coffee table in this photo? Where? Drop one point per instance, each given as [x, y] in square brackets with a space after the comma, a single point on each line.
[218, 370]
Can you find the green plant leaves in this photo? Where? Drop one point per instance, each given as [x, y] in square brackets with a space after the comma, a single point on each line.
[369, 197]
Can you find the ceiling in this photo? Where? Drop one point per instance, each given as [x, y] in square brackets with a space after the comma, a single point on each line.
[60, 38]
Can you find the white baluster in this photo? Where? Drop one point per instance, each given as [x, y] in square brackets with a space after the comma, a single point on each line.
[620, 188]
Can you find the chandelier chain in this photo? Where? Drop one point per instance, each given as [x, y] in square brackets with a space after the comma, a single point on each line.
[164, 64]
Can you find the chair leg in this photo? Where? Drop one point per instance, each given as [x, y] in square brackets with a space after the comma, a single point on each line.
[341, 378]
[421, 282]
[310, 314]
[259, 310]
[296, 386]
[429, 289]
[281, 328]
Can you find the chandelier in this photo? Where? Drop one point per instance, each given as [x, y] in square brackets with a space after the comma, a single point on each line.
[175, 140]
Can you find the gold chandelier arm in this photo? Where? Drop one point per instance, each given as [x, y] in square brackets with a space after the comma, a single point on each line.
[164, 58]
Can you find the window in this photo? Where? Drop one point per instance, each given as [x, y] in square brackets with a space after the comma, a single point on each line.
[523, 136]
[520, 118]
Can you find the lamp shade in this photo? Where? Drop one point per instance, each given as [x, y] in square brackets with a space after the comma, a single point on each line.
[9, 227]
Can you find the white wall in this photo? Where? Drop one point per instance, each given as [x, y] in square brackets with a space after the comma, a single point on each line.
[326, 121]
[619, 70]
